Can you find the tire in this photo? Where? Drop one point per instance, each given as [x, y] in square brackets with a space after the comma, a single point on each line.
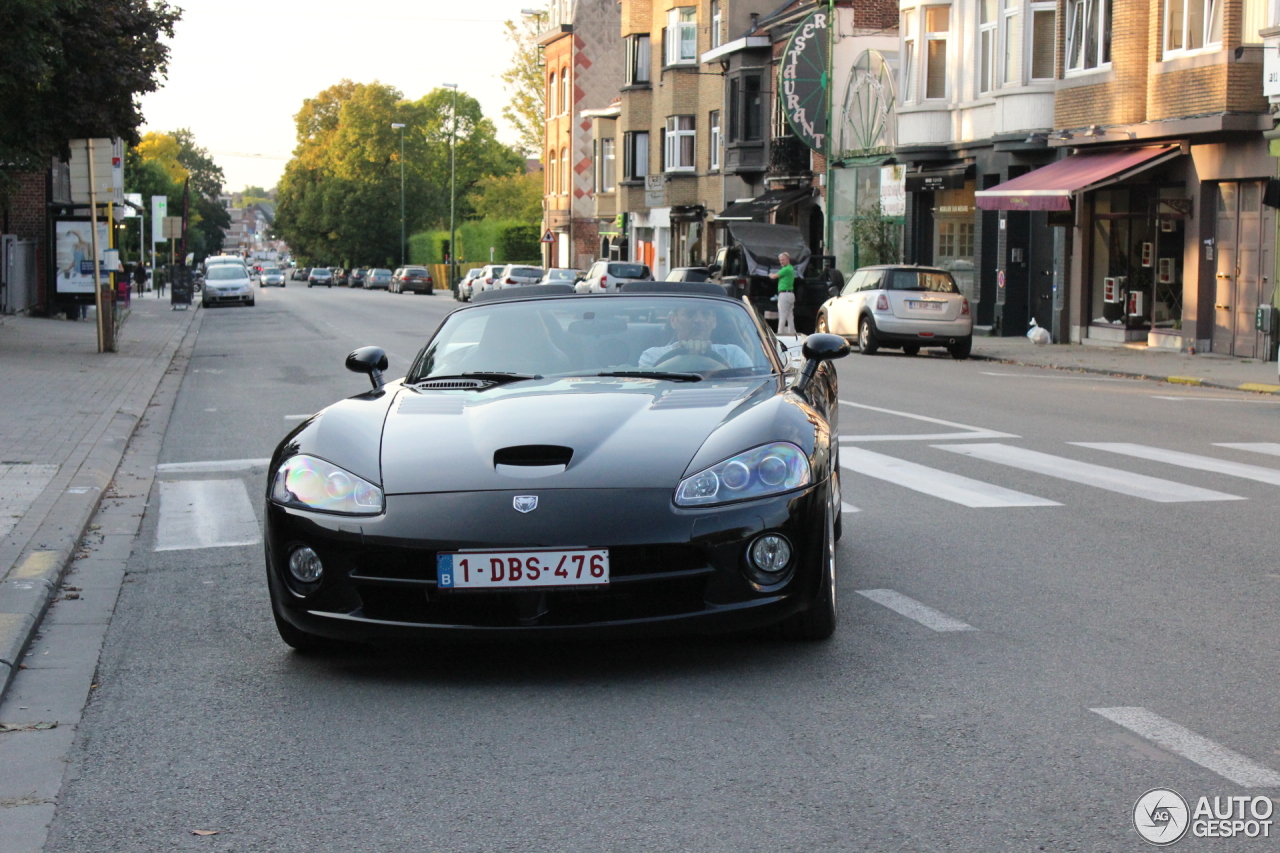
[960, 351]
[308, 285]
[818, 622]
[867, 343]
[911, 349]
[820, 325]
[251, 303]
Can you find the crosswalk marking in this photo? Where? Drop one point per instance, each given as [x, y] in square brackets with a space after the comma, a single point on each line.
[968, 431]
[1111, 479]
[205, 514]
[1269, 447]
[912, 609]
[1173, 737]
[931, 481]
[1271, 476]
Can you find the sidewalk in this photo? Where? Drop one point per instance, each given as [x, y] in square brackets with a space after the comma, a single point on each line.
[1209, 369]
[66, 416]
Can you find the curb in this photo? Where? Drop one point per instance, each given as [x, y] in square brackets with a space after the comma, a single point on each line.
[1255, 387]
[31, 583]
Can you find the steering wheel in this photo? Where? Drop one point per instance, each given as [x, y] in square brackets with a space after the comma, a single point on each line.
[682, 359]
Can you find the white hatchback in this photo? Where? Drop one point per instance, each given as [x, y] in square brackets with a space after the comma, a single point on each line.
[901, 306]
[609, 276]
[488, 278]
[518, 275]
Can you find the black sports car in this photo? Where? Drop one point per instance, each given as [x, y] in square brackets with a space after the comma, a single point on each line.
[561, 464]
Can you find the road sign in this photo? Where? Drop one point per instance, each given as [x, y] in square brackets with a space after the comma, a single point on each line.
[548, 237]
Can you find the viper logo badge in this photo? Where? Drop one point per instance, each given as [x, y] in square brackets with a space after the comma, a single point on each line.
[525, 503]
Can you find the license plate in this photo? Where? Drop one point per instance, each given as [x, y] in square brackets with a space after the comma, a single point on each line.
[925, 306]
[509, 569]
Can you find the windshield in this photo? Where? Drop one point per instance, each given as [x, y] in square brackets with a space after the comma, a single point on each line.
[271, 271]
[563, 275]
[587, 336]
[931, 280]
[380, 272]
[227, 272]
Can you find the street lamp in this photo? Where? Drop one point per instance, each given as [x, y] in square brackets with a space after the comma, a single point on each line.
[400, 127]
[453, 183]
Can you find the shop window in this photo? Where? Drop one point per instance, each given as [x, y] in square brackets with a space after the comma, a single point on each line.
[937, 24]
[1192, 25]
[1044, 25]
[908, 81]
[986, 45]
[678, 149]
[637, 60]
[635, 155]
[607, 165]
[682, 36]
[955, 235]
[1009, 25]
[1089, 34]
[714, 124]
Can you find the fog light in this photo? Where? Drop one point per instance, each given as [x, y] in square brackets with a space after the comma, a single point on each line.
[304, 565]
[770, 553]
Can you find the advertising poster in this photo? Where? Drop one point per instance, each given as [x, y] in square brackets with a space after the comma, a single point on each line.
[75, 255]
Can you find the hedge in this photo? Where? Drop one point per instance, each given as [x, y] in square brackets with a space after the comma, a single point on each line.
[512, 242]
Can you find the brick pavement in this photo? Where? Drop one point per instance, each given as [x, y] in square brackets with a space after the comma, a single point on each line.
[66, 416]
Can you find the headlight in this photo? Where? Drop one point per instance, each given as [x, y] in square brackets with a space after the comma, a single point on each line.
[767, 470]
[311, 483]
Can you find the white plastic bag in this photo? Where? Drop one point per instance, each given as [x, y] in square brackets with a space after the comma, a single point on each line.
[1038, 335]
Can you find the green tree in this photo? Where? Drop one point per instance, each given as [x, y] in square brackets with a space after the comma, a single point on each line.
[72, 69]
[524, 81]
[517, 196]
[339, 198]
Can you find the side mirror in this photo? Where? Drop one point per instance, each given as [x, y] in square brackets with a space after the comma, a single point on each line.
[713, 268]
[373, 360]
[817, 349]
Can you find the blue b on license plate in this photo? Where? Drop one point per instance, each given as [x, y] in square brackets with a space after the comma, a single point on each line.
[532, 568]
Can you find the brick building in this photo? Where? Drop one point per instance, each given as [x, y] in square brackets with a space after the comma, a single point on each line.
[1157, 203]
[583, 69]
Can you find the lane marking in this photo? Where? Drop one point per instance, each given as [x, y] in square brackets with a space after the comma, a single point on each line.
[216, 465]
[986, 433]
[1270, 476]
[1079, 378]
[912, 609]
[1268, 447]
[1099, 476]
[931, 481]
[844, 507]
[205, 514]
[1212, 756]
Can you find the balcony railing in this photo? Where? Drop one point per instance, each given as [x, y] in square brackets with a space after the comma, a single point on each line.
[788, 156]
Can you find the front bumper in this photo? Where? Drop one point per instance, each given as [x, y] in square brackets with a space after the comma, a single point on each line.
[672, 570]
[210, 297]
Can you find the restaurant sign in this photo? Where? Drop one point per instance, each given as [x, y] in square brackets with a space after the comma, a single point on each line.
[803, 80]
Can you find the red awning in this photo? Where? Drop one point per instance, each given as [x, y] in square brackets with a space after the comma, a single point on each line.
[1051, 187]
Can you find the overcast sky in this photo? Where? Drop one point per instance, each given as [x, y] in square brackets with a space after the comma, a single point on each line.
[240, 69]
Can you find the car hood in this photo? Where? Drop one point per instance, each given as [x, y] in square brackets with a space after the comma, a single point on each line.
[620, 434]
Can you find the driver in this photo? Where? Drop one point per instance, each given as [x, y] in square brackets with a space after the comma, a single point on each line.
[693, 325]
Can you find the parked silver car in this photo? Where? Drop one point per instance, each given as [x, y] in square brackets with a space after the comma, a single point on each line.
[488, 278]
[227, 283]
[901, 306]
[518, 275]
[561, 275]
[320, 277]
[468, 281]
[378, 279]
[609, 276]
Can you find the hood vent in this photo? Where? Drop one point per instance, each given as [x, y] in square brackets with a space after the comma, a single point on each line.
[430, 405]
[451, 384]
[698, 398]
[528, 461]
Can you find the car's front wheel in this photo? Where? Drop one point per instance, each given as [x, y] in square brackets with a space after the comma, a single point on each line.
[818, 622]
[867, 343]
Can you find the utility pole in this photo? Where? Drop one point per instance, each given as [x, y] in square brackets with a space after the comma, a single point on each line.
[453, 184]
[400, 127]
[94, 247]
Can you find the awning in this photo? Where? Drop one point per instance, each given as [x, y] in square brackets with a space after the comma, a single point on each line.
[762, 205]
[1051, 187]
[931, 180]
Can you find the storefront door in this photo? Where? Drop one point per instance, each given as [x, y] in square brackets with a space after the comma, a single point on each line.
[1240, 261]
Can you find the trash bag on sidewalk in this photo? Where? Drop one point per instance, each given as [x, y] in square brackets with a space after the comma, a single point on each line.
[1038, 334]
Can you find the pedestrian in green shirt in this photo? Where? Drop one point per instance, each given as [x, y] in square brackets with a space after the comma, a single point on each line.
[786, 278]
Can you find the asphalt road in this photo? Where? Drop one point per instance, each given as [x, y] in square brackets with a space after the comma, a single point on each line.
[891, 736]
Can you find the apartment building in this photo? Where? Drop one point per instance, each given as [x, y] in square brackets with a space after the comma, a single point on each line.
[583, 69]
[1158, 202]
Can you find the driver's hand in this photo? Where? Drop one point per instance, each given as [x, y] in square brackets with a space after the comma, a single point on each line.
[697, 347]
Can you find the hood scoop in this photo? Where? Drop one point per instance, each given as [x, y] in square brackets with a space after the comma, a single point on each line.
[529, 461]
[698, 398]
